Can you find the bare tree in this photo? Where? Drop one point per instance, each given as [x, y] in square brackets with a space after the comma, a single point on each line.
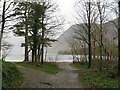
[88, 16]
[119, 40]
[6, 48]
[100, 10]
[3, 24]
[89, 33]
[6, 14]
[75, 49]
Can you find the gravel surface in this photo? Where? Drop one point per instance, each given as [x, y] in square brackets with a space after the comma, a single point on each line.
[66, 78]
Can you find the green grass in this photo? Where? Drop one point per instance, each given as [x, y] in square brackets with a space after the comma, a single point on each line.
[0, 62]
[50, 68]
[11, 76]
[0, 74]
[78, 66]
[95, 79]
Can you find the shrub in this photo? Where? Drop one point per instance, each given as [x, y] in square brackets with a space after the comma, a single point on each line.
[10, 75]
[112, 72]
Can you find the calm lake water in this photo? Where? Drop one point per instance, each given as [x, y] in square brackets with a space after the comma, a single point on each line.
[49, 58]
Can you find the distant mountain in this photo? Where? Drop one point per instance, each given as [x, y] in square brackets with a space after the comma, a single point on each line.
[111, 28]
[62, 43]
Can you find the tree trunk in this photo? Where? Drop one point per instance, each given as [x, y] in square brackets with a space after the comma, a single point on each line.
[94, 50]
[26, 46]
[119, 41]
[26, 35]
[42, 47]
[89, 34]
[43, 33]
[32, 55]
[101, 35]
[34, 51]
[39, 51]
[2, 28]
[46, 55]
[42, 54]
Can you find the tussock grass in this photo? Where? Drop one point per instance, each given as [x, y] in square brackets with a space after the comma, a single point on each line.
[93, 78]
[11, 76]
[50, 68]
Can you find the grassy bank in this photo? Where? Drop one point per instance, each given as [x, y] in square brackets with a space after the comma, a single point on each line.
[0, 74]
[11, 76]
[95, 79]
[50, 68]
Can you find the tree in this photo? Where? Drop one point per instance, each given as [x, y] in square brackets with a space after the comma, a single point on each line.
[6, 48]
[43, 32]
[36, 25]
[39, 24]
[119, 40]
[49, 24]
[6, 9]
[22, 11]
[100, 8]
[89, 32]
[26, 14]
[3, 24]
[88, 16]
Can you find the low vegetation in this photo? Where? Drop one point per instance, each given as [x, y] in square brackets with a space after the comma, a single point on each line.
[92, 78]
[0, 74]
[11, 76]
[50, 68]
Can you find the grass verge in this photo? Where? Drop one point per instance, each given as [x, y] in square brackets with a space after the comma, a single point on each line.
[50, 68]
[95, 79]
[11, 76]
[0, 74]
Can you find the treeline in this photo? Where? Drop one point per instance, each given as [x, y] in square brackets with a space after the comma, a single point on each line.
[37, 23]
[93, 38]
[109, 53]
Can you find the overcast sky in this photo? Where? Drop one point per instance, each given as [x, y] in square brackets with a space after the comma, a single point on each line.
[67, 10]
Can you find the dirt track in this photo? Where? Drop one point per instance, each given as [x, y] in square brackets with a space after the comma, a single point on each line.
[66, 78]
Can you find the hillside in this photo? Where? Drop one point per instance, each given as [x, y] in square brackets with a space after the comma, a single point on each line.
[62, 43]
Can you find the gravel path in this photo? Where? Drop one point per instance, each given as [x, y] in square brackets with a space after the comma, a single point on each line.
[66, 78]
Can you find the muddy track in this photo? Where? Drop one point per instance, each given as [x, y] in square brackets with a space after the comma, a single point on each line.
[66, 78]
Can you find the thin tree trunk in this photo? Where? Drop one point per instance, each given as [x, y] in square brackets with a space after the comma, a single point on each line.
[32, 55]
[43, 32]
[94, 50]
[89, 34]
[42, 54]
[34, 51]
[101, 36]
[35, 44]
[46, 54]
[26, 46]
[119, 41]
[39, 51]
[26, 35]
[42, 47]
[35, 55]
[2, 28]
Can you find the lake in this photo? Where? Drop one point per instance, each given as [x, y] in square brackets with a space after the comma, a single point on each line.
[49, 58]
